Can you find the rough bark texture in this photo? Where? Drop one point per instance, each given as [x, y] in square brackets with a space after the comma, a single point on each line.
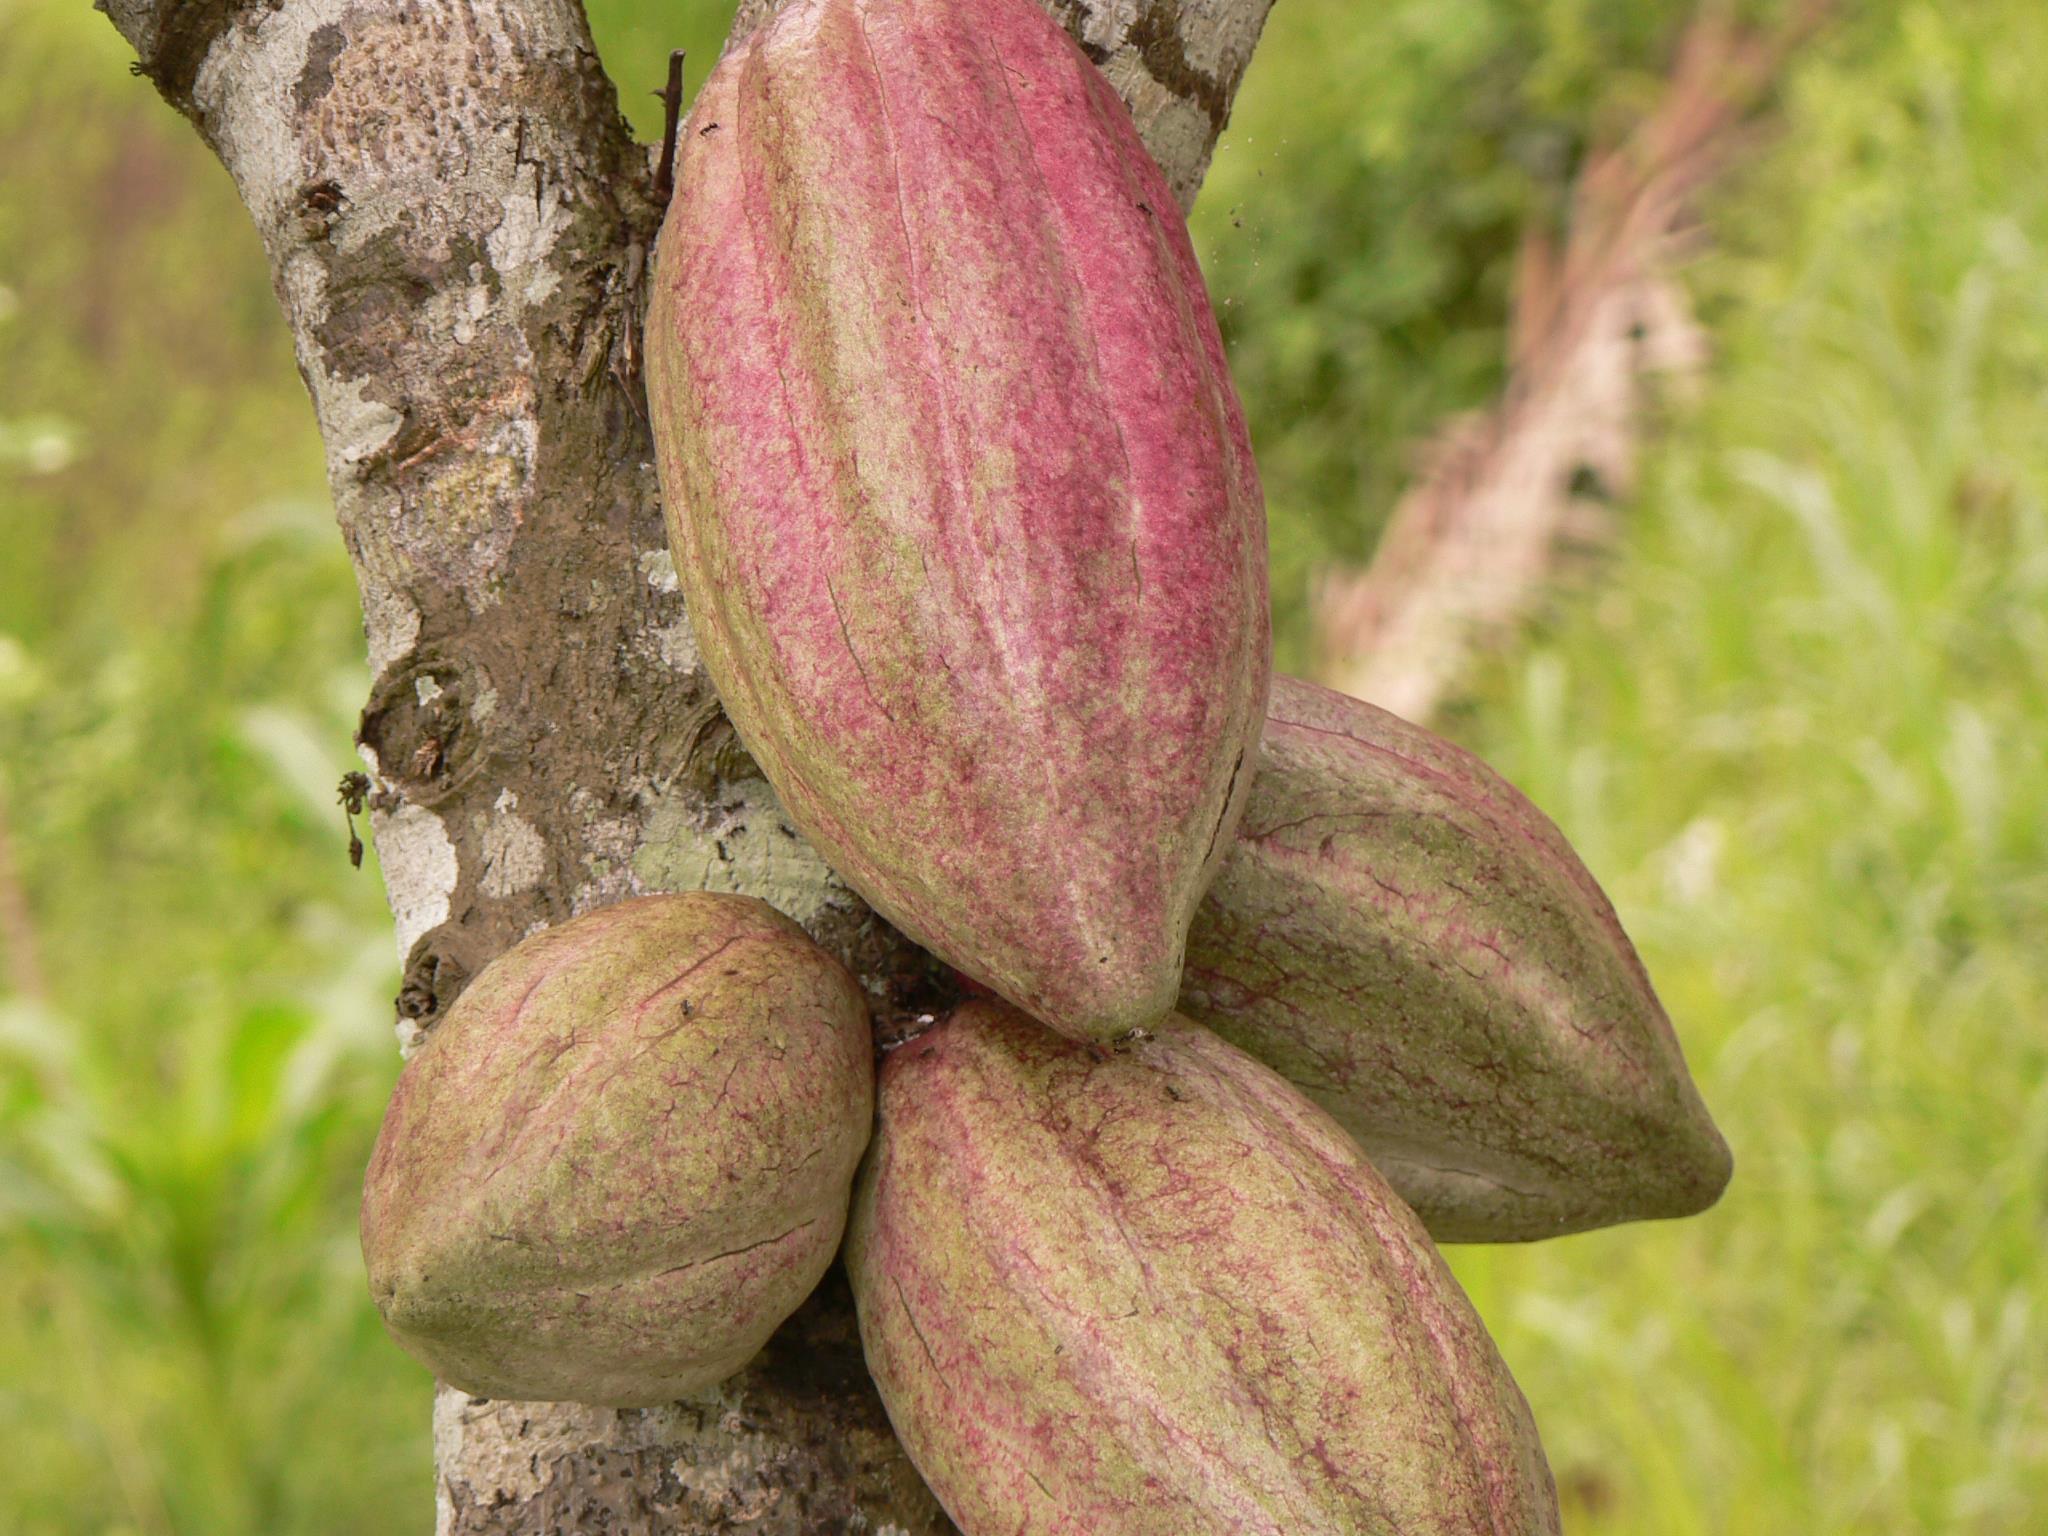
[458, 225]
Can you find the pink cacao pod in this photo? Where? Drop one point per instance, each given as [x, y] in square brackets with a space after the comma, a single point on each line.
[624, 1156]
[960, 492]
[1157, 1292]
[1406, 938]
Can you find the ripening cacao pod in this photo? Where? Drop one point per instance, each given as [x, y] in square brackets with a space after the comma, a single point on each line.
[1406, 938]
[960, 492]
[1157, 1292]
[624, 1156]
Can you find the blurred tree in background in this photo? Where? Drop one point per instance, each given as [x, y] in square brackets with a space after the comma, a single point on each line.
[1798, 724]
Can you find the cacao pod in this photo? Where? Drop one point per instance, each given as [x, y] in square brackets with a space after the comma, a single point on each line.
[1401, 934]
[624, 1156]
[1157, 1292]
[960, 492]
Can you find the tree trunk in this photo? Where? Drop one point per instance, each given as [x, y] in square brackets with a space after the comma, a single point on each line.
[459, 226]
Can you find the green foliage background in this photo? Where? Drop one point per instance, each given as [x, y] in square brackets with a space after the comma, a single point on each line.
[1798, 724]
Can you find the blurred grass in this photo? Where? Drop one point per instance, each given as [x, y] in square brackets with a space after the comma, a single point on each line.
[185, 1114]
[1798, 724]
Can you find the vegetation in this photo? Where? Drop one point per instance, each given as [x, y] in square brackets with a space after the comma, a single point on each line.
[1796, 721]
[1801, 730]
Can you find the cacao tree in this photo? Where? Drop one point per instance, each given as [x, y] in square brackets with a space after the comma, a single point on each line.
[458, 225]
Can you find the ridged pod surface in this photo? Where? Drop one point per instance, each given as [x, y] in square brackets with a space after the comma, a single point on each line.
[624, 1156]
[1400, 933]
[1157, 1292]
[960, 491]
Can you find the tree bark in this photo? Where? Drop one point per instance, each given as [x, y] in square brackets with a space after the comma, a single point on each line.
[459, 226]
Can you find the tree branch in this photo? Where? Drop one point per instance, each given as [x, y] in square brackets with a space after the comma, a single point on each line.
[458, 226]
[1478, 540]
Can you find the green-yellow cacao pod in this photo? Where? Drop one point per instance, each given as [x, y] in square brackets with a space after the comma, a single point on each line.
[1157, 1292]
[624, 1156]
[962, 501]
[1405, 937]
